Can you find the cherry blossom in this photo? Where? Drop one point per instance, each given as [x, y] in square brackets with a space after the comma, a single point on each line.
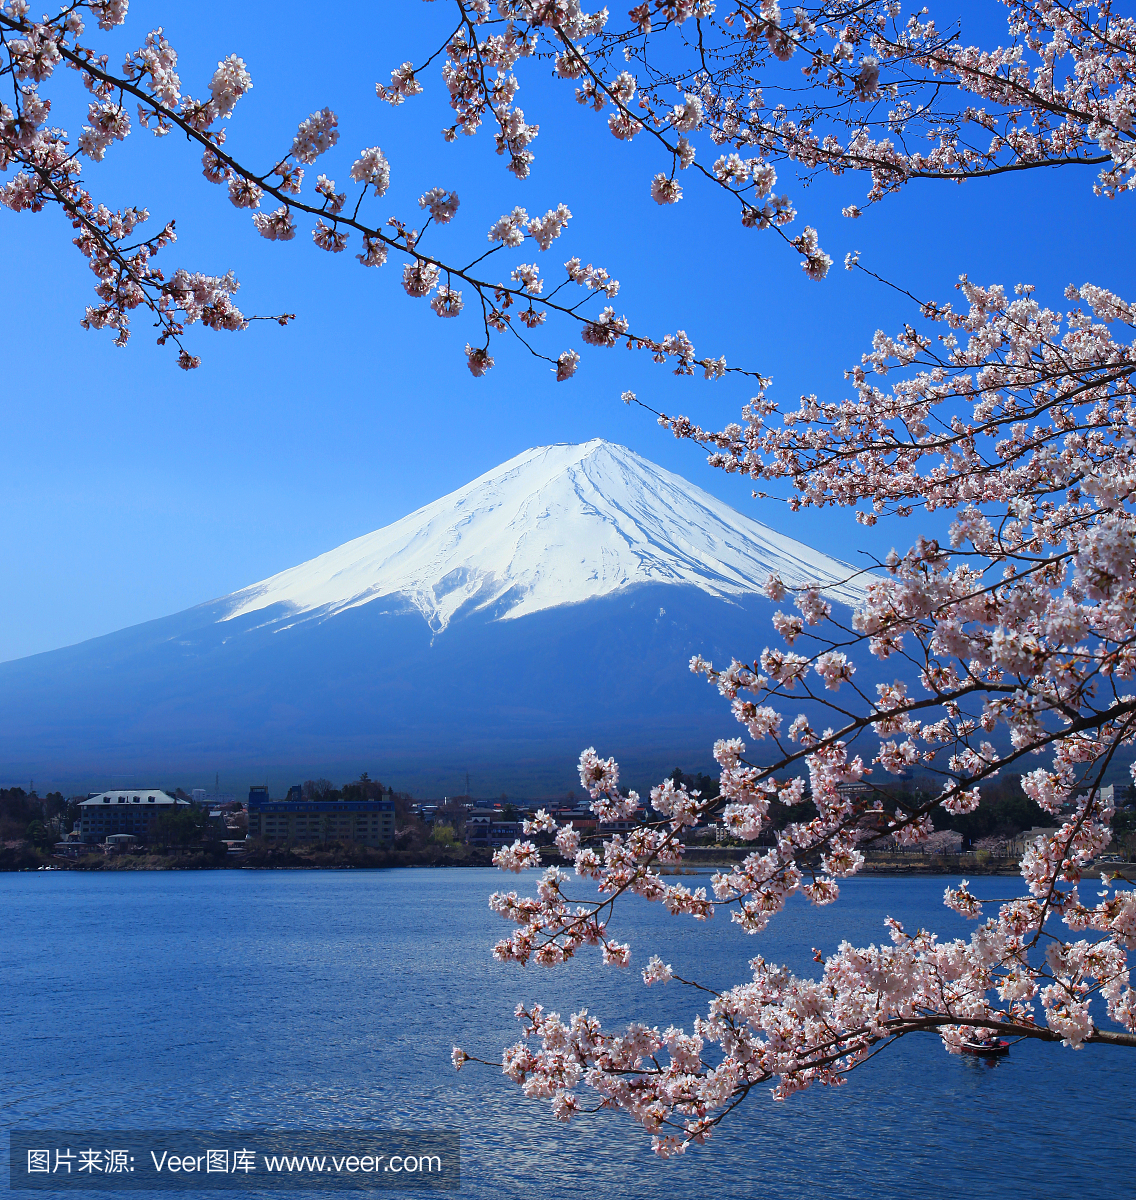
[317, 135]
[371, 167]
[1012, 640]
[446, 302]
[479, 73]
[443, 205]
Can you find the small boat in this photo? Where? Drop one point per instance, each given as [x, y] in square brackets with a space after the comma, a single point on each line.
[992, 1048]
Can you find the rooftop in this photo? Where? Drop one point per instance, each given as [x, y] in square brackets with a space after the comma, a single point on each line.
[299, 806]
[132, 796]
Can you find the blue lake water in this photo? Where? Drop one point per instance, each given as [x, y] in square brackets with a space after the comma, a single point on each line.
[330, 1000]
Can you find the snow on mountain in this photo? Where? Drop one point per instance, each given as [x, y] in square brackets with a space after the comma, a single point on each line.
[556, 525]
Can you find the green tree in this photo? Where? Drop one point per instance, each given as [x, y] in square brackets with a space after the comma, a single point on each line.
[38, 834]
[444, 835]
[182, 827]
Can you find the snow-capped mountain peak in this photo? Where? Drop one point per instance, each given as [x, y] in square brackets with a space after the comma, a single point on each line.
[555, 525]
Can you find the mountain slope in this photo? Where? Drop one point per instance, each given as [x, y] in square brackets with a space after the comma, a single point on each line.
[550, 604]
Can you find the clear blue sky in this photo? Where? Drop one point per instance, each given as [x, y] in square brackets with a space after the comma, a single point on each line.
[133, 490]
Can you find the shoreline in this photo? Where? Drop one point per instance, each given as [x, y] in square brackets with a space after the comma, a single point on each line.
[339, 857]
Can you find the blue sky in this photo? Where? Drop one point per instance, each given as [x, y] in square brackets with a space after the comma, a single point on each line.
[133, 490]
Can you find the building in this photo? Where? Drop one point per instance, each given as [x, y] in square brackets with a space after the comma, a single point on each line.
[583, 820]
[490, 827]
[370, 822]
[432, 813]
[71, 849]
[108, 813]
[204, 799]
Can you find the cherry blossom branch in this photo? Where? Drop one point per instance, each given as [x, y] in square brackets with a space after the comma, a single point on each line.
[161, 105]
[1035, 654]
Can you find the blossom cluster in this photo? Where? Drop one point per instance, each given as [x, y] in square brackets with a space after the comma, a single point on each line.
[879, 83]
[790, 1033]
[48, 173]
[1011, 641]
[680, 73]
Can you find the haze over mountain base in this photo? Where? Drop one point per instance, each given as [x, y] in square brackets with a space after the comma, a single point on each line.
[513, 702]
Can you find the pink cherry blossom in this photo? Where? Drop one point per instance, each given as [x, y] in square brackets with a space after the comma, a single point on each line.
[372, 169]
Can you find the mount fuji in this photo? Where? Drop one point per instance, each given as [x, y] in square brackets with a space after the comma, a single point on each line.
[552, 603]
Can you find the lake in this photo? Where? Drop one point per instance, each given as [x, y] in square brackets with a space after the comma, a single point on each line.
[330, 1000]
